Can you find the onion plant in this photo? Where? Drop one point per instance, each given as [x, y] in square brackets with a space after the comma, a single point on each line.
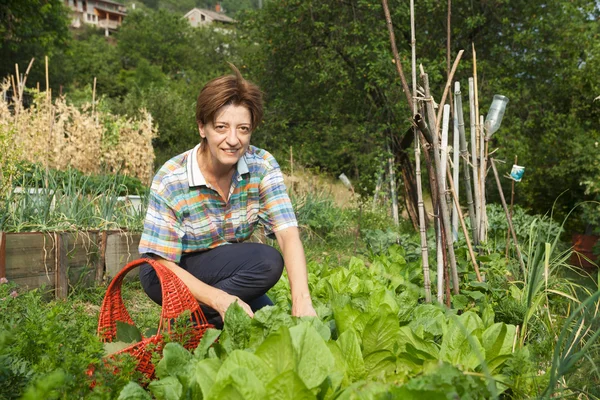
[68, 201]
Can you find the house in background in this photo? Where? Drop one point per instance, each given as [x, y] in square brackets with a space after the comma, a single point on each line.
[199, 17]
[104, 14]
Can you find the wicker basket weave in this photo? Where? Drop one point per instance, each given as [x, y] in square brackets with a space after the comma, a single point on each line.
[176, 298]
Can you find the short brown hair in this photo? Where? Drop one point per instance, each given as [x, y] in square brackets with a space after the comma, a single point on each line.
[229, 90]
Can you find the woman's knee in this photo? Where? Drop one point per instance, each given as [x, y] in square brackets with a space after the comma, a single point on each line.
[271, 262]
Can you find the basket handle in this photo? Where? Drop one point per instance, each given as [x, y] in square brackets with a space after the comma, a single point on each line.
[176, 298]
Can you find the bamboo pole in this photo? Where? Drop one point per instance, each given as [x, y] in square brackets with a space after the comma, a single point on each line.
[466, 165]
[388, 20]
[441, 204]
[444, 144]
[454, 193]
[393, 187]
[509, 219]
[482, 176]
[446, 89]
[94, 98]
[18, 77]
[47, 79]
[442, 260]
[474, 153]
[512, 200]
[26, 75]
[455, 166]
[420, 203]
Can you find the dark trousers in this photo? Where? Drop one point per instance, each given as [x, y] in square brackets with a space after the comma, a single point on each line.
[245, 270]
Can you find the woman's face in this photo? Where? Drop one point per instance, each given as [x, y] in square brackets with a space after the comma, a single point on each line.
[228, 138]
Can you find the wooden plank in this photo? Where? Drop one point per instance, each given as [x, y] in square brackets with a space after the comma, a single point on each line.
[35, 281]
[101, 257]
[2, 255]
[82, 248]
[30, 254]
[82, 255]
[62, 278]
[121, 248]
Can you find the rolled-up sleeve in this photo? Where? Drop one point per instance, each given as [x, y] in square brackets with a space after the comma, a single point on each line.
[162, 230]
[276, 211]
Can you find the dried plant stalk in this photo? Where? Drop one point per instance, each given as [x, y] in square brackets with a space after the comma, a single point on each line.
[62, 135]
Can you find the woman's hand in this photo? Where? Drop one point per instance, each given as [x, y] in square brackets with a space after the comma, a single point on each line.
[302, 307]
[223, 300]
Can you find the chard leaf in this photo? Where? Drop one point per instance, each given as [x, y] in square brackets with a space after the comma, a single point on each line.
[366, 390]
[207, 340]
[315, 360]
[338, 376]
[133, 391]
[288, 385]
[383, 296]
[236, 328]
[175, 361]
[497, 342]
[239, 382]
[381, 333]
[460, 344]
[244, 359]
[127, 333]
[349, 346]
[205, 374]
[345, 318]
[319, 326]
[277, 351]
[380, 364]
[430, 317]
[168, 388]
[407, 341]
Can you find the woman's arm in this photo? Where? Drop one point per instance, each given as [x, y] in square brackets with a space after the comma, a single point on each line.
[295, 265]
[205, 294]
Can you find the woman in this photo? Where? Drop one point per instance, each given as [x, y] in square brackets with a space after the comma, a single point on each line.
[206, 202]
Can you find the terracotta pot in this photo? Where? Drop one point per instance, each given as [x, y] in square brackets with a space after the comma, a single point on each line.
[584, 245]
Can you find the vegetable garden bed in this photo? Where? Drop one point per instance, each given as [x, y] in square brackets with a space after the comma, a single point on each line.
[65, 259]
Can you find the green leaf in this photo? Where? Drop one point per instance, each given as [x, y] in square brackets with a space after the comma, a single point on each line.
[380, 364]
[128, 333]
[407, 339]
[381, 333]
[207, 340]
[277, 351]
[204, 376]
[133, 391]
[460, 301]
[315, 360]
[244, 359]
[460, 343]
[244, 381]
[498, 341]
[236, 328]
[175, 361]
[288, 385]
[349, 345]
[114, 347]
[430, 317]
[168, 388]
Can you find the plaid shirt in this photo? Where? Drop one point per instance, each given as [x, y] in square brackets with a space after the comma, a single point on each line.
[186, 215]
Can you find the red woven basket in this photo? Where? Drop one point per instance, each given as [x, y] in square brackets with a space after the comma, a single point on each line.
[176, 298]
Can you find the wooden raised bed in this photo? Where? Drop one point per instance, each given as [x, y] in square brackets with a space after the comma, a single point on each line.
[61, 260]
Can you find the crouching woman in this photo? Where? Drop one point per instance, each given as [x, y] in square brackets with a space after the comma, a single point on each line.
[205, 203]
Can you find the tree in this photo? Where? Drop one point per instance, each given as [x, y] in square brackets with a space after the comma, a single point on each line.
[31, 28]
[332, 90]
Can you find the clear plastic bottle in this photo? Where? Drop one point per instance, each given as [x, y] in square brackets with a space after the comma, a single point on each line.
[494, 116]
